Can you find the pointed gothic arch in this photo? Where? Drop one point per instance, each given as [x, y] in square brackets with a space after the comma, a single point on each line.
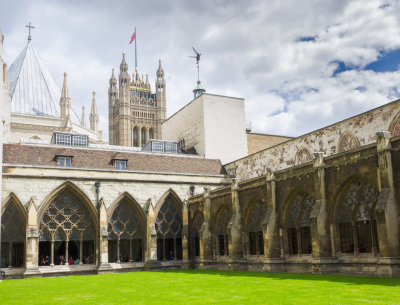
[126, 230]
[169, 224]
[303, 155]
[67, 227]
[354, 216]
[195, 229]
[295, 221]
[254, 217]
[13, 232]
[347, 141]
[221, 230]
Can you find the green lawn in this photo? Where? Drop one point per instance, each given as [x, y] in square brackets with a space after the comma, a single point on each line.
[201, 287]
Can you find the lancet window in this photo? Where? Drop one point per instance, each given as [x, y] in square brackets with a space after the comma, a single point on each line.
[135, 137]
[143, 136]
[255, 217]
[169, 231]
[356, 218]
[125, 234]
[67, 232]
[12, 237]
[151, 134]
[298, 224]
[302, 156]
[222, 223]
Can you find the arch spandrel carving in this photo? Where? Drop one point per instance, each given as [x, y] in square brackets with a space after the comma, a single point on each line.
[347, 142]
[303, 155]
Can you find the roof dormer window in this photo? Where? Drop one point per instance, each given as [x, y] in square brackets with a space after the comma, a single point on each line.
[64, 161]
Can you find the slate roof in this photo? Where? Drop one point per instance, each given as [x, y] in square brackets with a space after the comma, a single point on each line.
[46, 155]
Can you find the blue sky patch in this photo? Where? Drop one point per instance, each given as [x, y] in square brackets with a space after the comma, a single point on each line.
[388, 61]
[306, 38]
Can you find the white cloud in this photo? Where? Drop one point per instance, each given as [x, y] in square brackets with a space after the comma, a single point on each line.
[251, 51]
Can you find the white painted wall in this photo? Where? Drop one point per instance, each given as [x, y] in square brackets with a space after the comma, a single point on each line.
[188, 124]
[224, 128]
[213, 124]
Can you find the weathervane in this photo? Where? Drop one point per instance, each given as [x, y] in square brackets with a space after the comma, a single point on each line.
[30, 27]
[199, 89]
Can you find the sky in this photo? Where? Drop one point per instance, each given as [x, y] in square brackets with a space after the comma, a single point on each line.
[300, 65]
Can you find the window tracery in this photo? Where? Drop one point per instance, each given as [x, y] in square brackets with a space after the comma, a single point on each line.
[356, 218]
[125, 234]
[196, 228]
[254, 230]
[169, 231]
[298, 224]
[222, 223]
[66, 228]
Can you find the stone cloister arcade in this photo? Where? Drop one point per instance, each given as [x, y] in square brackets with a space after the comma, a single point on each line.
[68, 229]
[337, 214]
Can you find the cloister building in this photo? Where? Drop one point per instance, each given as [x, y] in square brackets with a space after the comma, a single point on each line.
[324, 202]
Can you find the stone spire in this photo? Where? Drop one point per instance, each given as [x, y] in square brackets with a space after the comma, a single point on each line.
[94, 115]
[65, 101]
[83, 120]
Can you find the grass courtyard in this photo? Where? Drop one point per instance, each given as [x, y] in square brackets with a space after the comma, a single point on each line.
[201, 287]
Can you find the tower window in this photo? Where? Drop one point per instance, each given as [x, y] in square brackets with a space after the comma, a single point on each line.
[150, 133]
[143, 136]
[135, 137]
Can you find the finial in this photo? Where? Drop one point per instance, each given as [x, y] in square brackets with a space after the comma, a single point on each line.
[30, 27]
[65, 74]
[94, 93]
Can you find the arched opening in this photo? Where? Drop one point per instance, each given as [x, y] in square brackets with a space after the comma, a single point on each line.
[13, 228]
[151, 134]
[355, 218]
[135, 137]
[126, 232]
[169, 230]
[297, 224]
[67, 231]
[196, 224]
[222, 231]
[254, 231]
[143, 136]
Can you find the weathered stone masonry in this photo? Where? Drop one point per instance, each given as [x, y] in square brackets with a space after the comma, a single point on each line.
[337, 214]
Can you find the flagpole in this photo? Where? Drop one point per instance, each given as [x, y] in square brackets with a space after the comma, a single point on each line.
[135, 50]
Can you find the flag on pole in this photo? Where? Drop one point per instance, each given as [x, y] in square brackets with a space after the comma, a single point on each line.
[133, 37]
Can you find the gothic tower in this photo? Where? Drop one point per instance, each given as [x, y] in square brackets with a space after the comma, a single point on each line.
[135, 113]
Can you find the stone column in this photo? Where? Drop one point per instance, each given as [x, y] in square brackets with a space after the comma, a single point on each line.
[236, 251]
[32, 243]
[52, 252]
[80, 251]
[272, 238]
[387, 211]
[104, 266]
[151, 238]
[130, 250]
[185, 231]
[319, 223]
[206, 240]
